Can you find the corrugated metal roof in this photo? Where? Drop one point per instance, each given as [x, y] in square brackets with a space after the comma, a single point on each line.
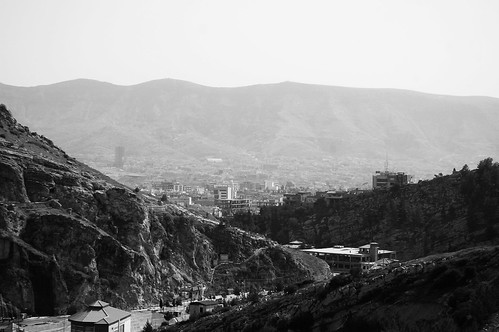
[336, 251]
[205, 302]
[99, 312]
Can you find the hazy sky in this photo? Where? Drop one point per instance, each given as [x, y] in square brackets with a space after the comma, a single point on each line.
[448, 47]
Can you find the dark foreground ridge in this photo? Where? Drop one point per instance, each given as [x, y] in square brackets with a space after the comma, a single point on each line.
[447, 292]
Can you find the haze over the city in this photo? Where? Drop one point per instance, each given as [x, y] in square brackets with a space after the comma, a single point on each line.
[441, 47]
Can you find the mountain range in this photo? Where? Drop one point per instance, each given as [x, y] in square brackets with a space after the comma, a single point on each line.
[284, 121]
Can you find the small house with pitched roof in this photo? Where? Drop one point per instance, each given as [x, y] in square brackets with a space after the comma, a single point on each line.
[197, 308]
[101, 317]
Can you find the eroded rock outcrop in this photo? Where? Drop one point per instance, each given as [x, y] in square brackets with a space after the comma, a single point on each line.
[70, 235]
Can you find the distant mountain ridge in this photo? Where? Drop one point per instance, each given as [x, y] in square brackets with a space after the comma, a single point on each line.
[187, 120]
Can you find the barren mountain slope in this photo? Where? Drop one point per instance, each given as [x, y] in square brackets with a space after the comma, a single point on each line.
[183, 120]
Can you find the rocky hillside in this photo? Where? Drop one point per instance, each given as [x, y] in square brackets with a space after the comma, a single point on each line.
[186, 121]
[69, 235]
[456, 291]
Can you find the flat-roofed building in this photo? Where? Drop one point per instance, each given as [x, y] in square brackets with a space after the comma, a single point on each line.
[341, 259]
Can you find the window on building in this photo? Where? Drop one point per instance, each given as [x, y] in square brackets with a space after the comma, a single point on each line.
[77, 328]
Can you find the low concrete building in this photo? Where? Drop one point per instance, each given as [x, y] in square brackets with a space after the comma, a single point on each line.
[342, 259]
[101, 317]
[200, 307]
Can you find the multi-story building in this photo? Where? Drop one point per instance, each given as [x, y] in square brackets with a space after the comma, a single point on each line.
[231, 206]
[388, 179]
[168, 186]
[297, 198]
[223, 192]
[341, 259]
[181, 200]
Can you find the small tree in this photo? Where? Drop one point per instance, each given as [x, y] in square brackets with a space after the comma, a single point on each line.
[253, 296]
[168, 315]
[148, 327]
[356, 272]
[290, 289]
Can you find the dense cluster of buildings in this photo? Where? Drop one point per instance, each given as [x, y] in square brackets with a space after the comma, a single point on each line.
[220, 199]
[226, 199]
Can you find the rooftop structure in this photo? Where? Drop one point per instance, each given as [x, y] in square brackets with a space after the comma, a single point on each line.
[294, 244]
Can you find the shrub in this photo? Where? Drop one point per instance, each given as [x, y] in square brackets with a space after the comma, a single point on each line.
[469, 273]
[463, 316]
[290, 289]
[253, 297]
[448, 279]
[355, 272]
[282, 324]
[305, 282]
[168, 315]
[437, 271]
[338, 281]
[460, 295]
[148, 327]
[205, 314]
[303, 321]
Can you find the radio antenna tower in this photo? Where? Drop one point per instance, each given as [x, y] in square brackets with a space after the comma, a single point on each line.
[386, 163]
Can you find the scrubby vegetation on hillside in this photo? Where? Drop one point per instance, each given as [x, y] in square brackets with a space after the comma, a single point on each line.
[444, 214]
[447, 292]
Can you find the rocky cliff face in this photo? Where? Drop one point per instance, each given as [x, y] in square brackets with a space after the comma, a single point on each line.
[70, 235]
